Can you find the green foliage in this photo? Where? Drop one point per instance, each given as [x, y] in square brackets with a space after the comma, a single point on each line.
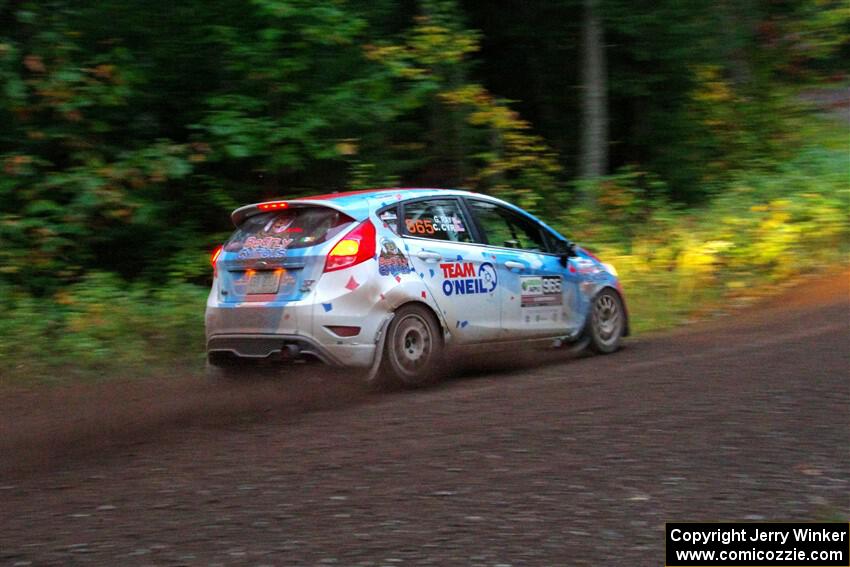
[293, 77]
[102, 327]
[71, 182]
[485, 144]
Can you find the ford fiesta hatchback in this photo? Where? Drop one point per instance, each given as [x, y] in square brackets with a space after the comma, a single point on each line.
[392, 280]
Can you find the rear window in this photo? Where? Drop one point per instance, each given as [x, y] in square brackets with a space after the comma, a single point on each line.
[270, 235]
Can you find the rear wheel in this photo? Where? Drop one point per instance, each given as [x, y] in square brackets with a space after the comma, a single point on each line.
[414, 346]
[607, 322]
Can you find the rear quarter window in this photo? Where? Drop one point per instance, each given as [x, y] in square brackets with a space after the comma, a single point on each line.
[269, 235]
[389, 218]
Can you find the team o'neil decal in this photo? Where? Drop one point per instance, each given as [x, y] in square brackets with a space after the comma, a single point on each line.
[461, 278]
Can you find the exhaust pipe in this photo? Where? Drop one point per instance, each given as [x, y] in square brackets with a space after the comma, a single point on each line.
[291, 351]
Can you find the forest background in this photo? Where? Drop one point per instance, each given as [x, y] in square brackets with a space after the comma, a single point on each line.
[701, 146]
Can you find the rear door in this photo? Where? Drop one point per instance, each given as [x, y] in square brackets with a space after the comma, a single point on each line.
[537, 288]
[462, 278]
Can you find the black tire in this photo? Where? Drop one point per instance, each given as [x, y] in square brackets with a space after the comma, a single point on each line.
[413, 351]
[607, 322]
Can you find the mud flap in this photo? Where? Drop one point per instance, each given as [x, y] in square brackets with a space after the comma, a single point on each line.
[373, 378]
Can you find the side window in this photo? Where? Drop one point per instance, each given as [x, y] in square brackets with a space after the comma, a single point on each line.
[440, 219]
[553, 244]
[507, 228]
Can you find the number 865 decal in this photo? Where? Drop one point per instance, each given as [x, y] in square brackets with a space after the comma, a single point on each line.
[425, 226]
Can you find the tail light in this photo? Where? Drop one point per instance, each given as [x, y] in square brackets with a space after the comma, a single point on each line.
[355, 247]
[216, 253]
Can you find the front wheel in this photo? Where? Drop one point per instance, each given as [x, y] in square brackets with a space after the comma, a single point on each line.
[607, 322]
[414, 346]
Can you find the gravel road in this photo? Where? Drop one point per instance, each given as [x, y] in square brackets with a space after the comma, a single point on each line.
[572, 462]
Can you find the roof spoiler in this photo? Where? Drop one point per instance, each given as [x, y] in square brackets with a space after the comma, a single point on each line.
[242, 213]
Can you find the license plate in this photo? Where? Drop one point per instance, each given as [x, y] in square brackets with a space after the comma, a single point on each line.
[264, 282]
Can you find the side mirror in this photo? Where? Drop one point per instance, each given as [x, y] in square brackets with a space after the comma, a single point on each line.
[568, 251]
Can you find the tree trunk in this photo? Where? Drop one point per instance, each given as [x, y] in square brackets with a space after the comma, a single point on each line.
[594, 108]
[737, 29]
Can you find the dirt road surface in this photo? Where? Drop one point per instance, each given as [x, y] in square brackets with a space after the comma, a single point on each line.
[572, 462]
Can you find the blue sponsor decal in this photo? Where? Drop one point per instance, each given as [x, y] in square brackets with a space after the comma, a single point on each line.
[461, 278]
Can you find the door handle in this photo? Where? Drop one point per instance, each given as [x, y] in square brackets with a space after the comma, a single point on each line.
[429, 256]
[511, 265]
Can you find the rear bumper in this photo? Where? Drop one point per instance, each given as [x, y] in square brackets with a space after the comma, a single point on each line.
[265, 346]
[281, 330]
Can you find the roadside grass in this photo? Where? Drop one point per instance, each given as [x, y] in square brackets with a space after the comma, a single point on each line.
[102, 328]
[763, 229]
[677, 265]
